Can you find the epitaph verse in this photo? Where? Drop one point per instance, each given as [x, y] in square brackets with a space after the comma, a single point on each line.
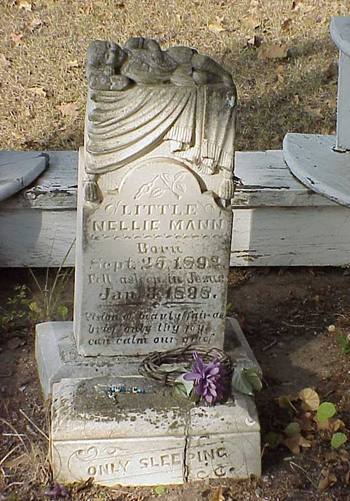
[153, 241]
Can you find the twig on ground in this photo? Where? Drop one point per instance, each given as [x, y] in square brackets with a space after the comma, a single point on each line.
[270, 345]
[297, 326]
[292, 464]
[9, 454]
[15, 432]
[33, 424]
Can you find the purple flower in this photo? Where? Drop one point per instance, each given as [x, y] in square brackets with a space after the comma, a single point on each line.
[208, 379]
[56, 492]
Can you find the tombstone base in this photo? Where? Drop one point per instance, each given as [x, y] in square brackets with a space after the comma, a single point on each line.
[150, 438]
[57, 356]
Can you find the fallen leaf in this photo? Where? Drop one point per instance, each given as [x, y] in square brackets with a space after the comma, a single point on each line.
[68, 109]
[216, 27]
[327, 480]
[160, 490]
[310, 399]
[16, 38]
[39, 91]
[347, 477]
[255, 41]
[73, 63]
[323, 425]
[252, 22]
[217, 495]
[331, 74]
[292, 429]
[296, 5]
[272, 439]
[295, 443]
[23, 4]
[306, 422]
[286, 24]
[4, 62]
[35, 24]
[315, 113]
[296, 98]
[273, 51]
[285, 402]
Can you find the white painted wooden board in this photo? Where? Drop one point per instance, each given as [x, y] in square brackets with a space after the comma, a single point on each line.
[340, 31]
[312, 159]
[17, 171]
[277, 220]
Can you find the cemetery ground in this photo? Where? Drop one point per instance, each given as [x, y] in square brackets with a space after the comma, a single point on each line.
[296, 321]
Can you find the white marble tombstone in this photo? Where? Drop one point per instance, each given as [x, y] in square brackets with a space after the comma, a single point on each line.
[153, 239]
[152, 259]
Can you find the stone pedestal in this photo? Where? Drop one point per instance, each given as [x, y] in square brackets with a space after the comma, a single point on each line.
[57, 356]
[151, 438]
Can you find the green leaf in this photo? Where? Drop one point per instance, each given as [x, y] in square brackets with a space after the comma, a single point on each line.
[160, 490]
[292, 429]
[246, 381]
[325, 411]
[34, 307]
[62, 311]
[344, 343]
[241, 383]
[187, 384]
[253, 376]
[338, 439]
[272, 439]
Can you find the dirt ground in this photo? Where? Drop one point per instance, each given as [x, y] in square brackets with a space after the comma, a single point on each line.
[285, 314]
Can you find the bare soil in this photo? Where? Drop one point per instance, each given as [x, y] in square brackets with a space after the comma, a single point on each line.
[285, 314]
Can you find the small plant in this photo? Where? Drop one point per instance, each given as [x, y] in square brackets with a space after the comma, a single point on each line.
[47, 303]
[310, 419]
[310, 416]
[343, 340]
[344, 343]
[15, 313]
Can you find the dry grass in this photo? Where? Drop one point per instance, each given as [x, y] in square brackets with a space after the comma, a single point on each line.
[43, 45]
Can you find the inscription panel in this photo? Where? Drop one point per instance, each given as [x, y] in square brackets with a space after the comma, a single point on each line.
[166, 461]
[123, 462]
[152, 264]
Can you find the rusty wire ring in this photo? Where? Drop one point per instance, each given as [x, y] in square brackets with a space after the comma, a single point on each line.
[151, 366]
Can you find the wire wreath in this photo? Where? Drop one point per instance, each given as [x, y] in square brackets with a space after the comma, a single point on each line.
[151, 366]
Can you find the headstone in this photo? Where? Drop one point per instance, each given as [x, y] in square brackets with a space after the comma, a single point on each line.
[152, 261]
[153, 242]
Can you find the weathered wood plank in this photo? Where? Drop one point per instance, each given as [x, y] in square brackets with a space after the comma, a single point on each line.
[36, 238]
[311, 157]
[301, 236]
[277, 220]
[18, 170]
[55, 189]
[268, 182]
